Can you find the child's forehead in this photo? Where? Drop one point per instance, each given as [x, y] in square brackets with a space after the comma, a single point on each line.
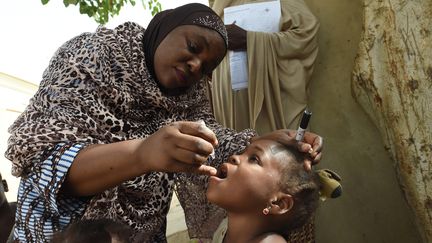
[268, 145]
[273, 150]
[276, 148]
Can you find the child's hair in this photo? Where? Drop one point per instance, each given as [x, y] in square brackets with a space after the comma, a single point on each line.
[302, 185]
[94, 231]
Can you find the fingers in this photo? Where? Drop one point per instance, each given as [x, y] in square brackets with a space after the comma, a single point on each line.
[312, 143]
[189, 145]
[317, 158]
[201, 170]
[315, 140]
[307, 165]
[188, 157]
[194, 169]
[305, 148]
[193, 145]
[197, 129]
[206, 170]
[317, 145]
[231, 25]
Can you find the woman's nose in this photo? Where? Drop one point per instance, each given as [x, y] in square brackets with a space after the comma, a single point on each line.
[195, 65]
[234, 159]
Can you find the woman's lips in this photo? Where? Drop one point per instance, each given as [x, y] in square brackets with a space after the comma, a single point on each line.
[181, 77]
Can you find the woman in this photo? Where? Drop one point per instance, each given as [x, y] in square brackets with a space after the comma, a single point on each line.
[104, 132]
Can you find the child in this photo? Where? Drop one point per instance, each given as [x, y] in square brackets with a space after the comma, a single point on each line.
[266, 192]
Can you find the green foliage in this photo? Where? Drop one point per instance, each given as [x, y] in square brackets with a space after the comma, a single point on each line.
[102, 10]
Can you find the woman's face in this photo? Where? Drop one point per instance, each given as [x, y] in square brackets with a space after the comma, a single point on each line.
[248, 181]
[187, 54]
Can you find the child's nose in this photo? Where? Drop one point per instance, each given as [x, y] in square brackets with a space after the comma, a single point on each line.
[234, 160]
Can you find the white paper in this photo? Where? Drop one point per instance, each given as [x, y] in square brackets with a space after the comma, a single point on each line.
[262, 17]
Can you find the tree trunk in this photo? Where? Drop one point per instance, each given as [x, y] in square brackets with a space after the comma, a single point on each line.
[392, 81]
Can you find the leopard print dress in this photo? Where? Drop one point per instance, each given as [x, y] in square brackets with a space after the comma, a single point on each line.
[97, 90]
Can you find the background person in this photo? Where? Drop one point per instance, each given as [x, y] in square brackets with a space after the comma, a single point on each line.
[280, 66]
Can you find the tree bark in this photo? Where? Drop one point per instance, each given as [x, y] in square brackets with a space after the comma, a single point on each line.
[392, 81]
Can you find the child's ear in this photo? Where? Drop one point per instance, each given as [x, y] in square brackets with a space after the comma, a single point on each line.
[282, 204]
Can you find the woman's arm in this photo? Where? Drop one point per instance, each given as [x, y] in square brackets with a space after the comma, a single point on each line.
[179, 147]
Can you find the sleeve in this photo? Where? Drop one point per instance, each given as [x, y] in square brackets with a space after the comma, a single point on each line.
[48, 178]
[61, 109]
[39, 201]
[203, 218]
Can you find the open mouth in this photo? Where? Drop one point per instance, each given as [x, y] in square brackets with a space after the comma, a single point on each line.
[222, 171]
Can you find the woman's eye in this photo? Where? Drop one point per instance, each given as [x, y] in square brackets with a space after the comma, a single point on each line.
[192, 47]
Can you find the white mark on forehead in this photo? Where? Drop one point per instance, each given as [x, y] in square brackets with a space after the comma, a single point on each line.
[275, 149]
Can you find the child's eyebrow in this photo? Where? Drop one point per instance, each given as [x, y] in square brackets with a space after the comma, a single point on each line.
[257, 147]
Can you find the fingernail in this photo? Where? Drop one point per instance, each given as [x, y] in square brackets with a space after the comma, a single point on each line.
[212, 155]
[201, 122]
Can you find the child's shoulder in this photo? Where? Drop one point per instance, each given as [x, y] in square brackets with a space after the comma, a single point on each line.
[270, 238]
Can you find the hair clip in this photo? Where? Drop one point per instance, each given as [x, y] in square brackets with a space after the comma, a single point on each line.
[330, 184]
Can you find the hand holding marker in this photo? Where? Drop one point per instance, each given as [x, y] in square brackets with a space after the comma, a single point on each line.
[303, 125]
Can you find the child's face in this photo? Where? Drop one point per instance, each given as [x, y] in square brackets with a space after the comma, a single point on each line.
[248, 181]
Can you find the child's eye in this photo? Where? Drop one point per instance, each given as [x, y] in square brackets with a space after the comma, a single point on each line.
[254, 159]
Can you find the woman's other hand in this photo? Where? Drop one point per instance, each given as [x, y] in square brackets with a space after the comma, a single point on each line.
[178, 147]
[312, 143]
[237, 37]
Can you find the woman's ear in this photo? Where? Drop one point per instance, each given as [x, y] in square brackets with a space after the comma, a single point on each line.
[282, 204]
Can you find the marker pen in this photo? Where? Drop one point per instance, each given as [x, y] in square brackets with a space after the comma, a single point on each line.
[303, 125]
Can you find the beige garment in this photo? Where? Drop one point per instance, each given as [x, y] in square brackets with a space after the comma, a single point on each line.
[219, 235]
[280, 67]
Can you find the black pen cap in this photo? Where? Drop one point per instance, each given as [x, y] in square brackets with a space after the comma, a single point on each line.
[305, 119]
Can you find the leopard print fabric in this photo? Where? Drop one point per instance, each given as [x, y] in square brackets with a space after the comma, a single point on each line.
[97, 90]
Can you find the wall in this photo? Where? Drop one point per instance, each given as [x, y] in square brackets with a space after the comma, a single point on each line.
[14, 96]
[372, 208]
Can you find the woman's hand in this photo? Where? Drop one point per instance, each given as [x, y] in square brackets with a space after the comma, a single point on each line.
[312, 143]
[237, 37]
[178, 147]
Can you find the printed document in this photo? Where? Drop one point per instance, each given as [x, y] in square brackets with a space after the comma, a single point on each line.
[262, 17]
